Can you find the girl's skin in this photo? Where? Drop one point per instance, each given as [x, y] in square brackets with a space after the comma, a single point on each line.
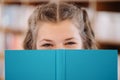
[61, 35]
[59, 26]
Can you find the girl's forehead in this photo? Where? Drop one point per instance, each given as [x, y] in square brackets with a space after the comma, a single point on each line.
[64, 29]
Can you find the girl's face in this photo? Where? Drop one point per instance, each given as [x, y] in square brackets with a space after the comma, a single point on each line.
[62, 35]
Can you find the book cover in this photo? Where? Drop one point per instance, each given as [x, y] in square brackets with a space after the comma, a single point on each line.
[61, 65]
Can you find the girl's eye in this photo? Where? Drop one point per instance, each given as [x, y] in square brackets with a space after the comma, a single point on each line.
[70, 43]
[47, 45]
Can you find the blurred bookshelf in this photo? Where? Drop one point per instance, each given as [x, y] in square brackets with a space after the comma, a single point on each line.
[104, 16]
[15, 13]
[13, 26]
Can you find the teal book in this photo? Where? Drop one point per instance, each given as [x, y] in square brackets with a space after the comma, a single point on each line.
[61, 64]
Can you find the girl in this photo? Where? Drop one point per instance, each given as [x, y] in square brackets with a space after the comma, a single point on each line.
[59, 26]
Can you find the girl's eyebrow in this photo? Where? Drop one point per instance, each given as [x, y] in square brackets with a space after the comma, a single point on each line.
[46, 40]
[69, 38]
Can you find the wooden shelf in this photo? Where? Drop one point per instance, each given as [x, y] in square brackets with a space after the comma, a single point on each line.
[13, 31]
[1, 78]
[1, 56]
[56, 0]
[109, 45]
[113, 6]
[37, 1]
[101, 5]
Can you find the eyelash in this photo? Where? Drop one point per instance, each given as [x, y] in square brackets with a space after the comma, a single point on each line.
[50, 45]
[70, 43]
[47, 45]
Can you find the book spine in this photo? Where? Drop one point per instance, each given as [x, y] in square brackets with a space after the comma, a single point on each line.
[60, 65]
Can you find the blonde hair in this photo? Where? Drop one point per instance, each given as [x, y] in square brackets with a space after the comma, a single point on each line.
[52, 12]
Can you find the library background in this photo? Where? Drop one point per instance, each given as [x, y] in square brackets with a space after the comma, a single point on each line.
[104, 16]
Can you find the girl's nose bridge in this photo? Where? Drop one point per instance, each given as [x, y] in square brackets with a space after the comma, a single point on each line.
[60, 46]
